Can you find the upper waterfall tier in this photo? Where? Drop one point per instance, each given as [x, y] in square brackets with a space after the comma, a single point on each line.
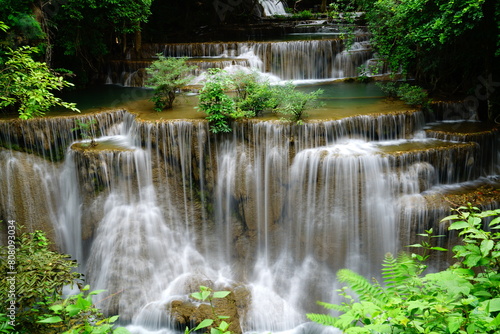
[314, 59]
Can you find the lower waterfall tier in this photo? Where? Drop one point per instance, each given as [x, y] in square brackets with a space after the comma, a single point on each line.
[270, 212]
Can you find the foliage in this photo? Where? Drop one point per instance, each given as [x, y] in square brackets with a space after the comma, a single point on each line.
[461, 299]
[3, 26]
[77, 315]
[40, 276]
[213, 100]
[303, 15]
[412, 95]
[18, 15]
[252, 96]
[293, 104]
[27, 85]
[5, 326]
[86, 130]
[426, 39]
[221, 326]
[167, 75]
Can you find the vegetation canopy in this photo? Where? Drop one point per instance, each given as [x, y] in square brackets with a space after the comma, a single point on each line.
[27, 85]
[167, 75]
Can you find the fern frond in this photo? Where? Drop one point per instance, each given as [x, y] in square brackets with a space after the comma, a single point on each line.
[336, 307]
[362, 287]
[322, 319]
[399, 272]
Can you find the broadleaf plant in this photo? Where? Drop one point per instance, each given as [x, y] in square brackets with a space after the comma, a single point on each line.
[462, 299]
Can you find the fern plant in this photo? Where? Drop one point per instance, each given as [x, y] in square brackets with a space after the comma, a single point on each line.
[463, 299]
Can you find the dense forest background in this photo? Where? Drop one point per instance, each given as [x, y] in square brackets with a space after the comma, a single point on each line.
[451, 48]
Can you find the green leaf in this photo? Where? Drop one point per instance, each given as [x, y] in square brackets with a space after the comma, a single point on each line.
[223, 326]
[202, 295]
[56, 308]
[495, 221]
[73, 310]
[221, 294]
[439, 249]
[492, 305]
[460, 225]
[113, 319]
[121, 330]
[51, 320]
[454, 323]
[472, 260]
[205, 323]
[96, 292]
[486, 247]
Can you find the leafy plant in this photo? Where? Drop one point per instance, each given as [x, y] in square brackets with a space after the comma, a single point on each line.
[214, 101]
[85, 129]
[303, 15]
[221, 326]
[78, 315]
[40, 275]
[167, 75]
[293, 104]
[26, 85]
[410, 94]
[5, 324]
[461, 299]
[253, 97]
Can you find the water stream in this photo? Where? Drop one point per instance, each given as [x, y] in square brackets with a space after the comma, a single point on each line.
[270, 211]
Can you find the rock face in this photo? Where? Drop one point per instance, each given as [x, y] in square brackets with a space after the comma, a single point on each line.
[191, 312]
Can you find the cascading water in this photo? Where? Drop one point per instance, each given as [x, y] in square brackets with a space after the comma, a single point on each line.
[273, 7]
[270, 212]
[310, 59]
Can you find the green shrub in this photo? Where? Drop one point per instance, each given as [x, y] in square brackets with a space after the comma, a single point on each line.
[303, 15]
[167, 75]
[293, 104]
[462, 299]
[413, 95]
[410, 94]
[26, 86]
[252, 96]
[214, 101]
[40, 275]
[77, 315]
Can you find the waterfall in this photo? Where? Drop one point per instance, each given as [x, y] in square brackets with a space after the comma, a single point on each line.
[312, 59]
[273, 7]
[269, 212]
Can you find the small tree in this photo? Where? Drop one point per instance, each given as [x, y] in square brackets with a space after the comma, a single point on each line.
[27, 85]
[253, 96]
[293, 104]
[213, 100]
[167, 76]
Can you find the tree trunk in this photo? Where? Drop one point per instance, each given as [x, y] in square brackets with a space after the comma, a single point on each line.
[323, 6]
[138, 39]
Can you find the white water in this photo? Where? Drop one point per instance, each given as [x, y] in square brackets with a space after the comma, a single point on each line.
[273, 7]
[274, 209]
[302, 61]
